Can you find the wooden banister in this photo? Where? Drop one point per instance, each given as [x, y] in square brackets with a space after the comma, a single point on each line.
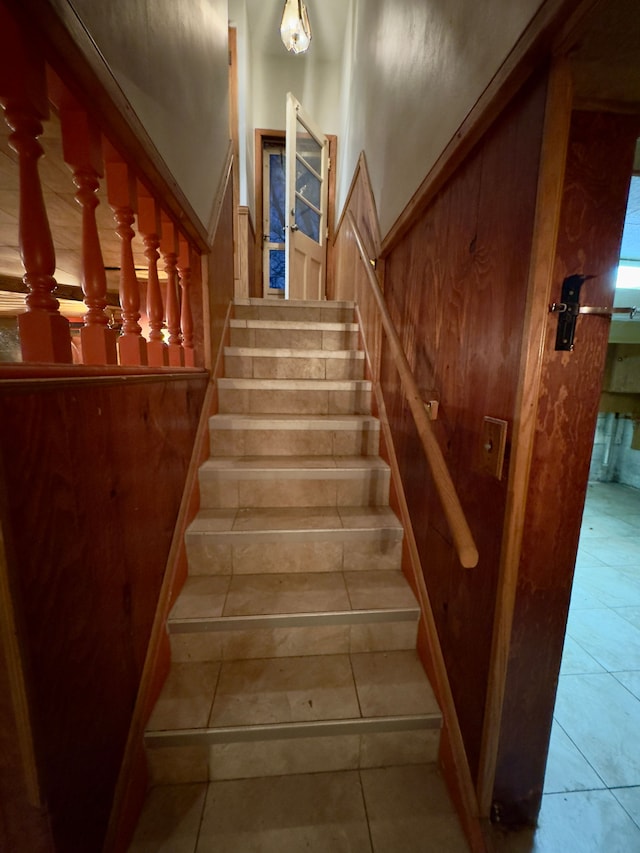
[29, 82]
[462, 538]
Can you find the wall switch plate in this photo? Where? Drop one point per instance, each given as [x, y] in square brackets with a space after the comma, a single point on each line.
[493, 443]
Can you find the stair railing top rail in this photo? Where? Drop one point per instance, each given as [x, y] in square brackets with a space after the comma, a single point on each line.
[462, 537]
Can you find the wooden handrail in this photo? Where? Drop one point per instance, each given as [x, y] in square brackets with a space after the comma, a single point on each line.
[462, 538]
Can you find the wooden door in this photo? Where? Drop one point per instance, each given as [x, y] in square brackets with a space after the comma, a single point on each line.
[307, 198]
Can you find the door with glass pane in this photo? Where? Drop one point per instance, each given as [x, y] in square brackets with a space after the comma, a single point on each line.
[306, 197]
[273, 219]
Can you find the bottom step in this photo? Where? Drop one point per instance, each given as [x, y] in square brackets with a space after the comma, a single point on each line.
[404, 809]
[247, 718]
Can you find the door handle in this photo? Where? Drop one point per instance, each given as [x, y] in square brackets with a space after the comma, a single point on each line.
[294, 227]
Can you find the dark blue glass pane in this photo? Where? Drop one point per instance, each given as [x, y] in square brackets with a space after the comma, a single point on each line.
[276, 198]
[307, 220]
[276, 269]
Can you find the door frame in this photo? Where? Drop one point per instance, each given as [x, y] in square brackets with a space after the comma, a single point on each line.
[265, 135]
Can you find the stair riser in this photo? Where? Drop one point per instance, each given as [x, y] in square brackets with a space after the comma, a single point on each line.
[315, 339]
[327, 313]
[271, 401]
[293, 642]
[357, 441]
[210, 762]
[223, 490]
[284, 367]
[219, 554]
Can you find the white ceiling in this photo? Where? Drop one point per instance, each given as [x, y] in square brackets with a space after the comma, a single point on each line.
[327, 18]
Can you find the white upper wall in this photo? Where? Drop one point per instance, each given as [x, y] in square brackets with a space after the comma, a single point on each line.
[238, 19]
[170, 59]
[413, 70]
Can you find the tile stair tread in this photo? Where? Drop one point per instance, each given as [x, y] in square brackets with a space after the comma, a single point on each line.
[248, 420]
[294, 325]
[244, 694]
[290, 352]
[322, 466]
[296, 519]
[292, 599]
[294, 303]
[296, 384]
[303, 729]
[204, 624]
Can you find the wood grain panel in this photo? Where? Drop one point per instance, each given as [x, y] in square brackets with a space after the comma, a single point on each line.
[456, 285]
[95, 475]
[598, 170]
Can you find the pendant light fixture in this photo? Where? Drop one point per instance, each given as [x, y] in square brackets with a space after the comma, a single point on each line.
[294, 27]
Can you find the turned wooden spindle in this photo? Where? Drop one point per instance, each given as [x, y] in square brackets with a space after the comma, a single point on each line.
[81, 148]
[121, 194]
[169, 251]
[44, 332]
[149, 227]
[184, 273]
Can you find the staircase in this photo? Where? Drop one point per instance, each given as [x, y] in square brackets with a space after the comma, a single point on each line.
[293, 640]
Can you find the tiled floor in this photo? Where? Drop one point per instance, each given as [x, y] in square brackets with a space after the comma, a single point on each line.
[591, 801]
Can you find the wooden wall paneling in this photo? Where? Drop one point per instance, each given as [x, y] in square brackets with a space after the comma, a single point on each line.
[133, 778]
[246, 248]
[24, 820]
[550, 182]
[251, 258]
[91, 540]
[498, 253]
[599, 164]
[456, 288]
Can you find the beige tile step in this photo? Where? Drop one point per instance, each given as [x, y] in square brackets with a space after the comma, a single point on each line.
[290, 481]
[291, 309]
[295, 334]
[294, 396]
[224, 617]
[280, 540]
[289, 363]
[400, 809]
[273, 716]
[291, 435]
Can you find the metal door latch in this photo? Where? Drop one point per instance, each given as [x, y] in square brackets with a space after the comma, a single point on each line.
[569, 309]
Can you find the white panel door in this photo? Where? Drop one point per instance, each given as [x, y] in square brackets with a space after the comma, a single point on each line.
[307, 195]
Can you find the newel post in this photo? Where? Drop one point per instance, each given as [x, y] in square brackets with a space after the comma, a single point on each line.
[44, 332]
[184, 273]
[121, 193]
[169, 250]
[149, 227]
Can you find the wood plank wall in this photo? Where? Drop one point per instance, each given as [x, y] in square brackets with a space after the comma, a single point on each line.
[456, 286]
[94, 472]
[599, 163]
